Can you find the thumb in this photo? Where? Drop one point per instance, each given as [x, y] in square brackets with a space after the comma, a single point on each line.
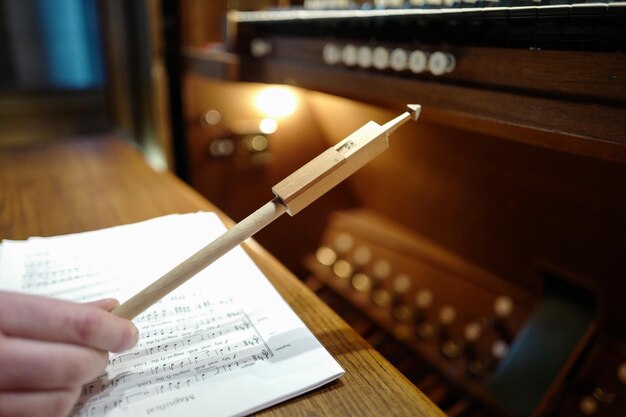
[106, 304]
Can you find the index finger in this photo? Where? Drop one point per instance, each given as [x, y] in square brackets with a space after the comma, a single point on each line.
[42, 318]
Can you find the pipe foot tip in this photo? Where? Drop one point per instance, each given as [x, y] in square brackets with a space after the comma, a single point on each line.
[414, 110]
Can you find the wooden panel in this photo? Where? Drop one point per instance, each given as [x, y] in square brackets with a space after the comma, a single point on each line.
[203, 21]
[577, 127]
[592, 75]
[601, 384]
[242, 182]
[57, 113]
[216, 64]
[505, 206]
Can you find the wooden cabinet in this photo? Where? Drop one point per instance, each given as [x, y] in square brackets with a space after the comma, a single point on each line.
[516, 167]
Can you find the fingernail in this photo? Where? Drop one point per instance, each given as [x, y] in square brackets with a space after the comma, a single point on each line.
[113, 304]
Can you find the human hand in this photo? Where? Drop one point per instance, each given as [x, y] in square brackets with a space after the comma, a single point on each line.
[49, 348]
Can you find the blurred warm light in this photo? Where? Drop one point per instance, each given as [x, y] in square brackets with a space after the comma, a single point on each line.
[276, 101]
[268, 126]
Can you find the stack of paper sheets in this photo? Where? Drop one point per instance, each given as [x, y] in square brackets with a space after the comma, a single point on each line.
[223, 344]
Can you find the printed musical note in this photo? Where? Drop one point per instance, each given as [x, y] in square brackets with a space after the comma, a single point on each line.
[203, 354]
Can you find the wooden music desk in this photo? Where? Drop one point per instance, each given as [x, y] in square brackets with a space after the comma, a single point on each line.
[92, 183]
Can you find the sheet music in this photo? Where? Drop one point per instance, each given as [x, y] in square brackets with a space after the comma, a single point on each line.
[225, 341]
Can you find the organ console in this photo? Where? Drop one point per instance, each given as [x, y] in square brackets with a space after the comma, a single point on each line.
[485, 258]
[463, 56]
[445, 316]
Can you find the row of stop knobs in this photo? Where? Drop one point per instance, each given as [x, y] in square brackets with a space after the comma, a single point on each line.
[382, 58]
[414, 314]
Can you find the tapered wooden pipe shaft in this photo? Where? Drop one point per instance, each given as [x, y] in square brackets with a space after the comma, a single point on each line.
[200, 260]
[293, 194]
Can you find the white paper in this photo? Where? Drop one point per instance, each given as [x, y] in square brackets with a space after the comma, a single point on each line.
[223, 344]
